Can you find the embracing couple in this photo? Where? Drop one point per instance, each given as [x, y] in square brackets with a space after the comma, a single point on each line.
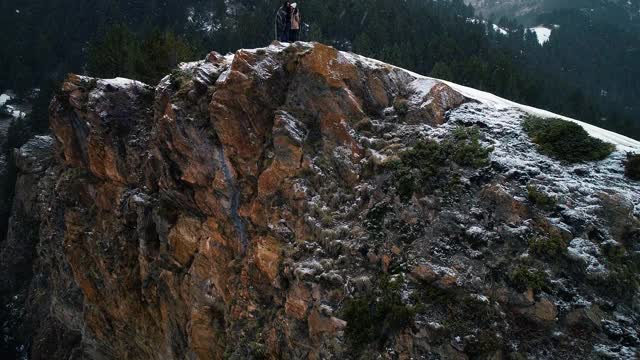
[288, 22]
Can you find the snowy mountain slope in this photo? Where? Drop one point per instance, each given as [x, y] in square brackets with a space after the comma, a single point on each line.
[625, 143]
[542, 33]
[514, 150]
[506, 7]
[528, 10]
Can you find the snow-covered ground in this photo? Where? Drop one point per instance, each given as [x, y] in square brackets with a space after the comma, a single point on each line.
[11, 110]
[622, 142]
[497, 28]
[514, 151]
[15, 111]
[4, 98]
[542, 33]
[502, 123]
[13, 106]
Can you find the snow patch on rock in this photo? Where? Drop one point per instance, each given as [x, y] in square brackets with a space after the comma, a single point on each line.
[585, 251]
[4, 98]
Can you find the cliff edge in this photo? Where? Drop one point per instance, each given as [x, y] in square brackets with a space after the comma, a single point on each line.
[297, 201]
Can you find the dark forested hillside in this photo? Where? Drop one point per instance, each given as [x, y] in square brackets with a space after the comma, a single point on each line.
[595, 47]
[619, 12]
[45, 39]
[602, 59]
[587, 70]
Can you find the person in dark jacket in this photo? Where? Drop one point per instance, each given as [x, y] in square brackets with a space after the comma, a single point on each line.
[283, 22]
[294, 35]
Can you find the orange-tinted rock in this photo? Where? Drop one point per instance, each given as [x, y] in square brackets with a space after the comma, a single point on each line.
[440, 276]
[267, 257]
[545, 310]
[542, 311]
[319, 324]
[298, 301]
[386, 261]
[441, 99]
[325, 61]
[505, 207]
[103, 161]
[104, 134]
[206, 339]
[184, 238]
[288, 138]
[424, 273]
[108, 195]
[585, 319]
[190, 214]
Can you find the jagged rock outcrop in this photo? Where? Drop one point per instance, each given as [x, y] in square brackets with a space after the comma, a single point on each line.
[235, 211]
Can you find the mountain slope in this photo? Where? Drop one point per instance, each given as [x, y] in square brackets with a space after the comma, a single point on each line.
[526, 11]
[296, 201]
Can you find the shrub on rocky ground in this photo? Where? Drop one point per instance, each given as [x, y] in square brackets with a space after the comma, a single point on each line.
[467, 314]
[179, 78]
[427, 165]
[541, 199]
[485, 344]
[552, 246]
[466, 148]
[401, 106]
[632, 166]
[565, 140]
[463, 314]
[372, 318]
[623, 279]
[523, 278]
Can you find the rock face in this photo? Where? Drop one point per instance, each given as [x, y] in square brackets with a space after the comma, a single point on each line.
[237, 209]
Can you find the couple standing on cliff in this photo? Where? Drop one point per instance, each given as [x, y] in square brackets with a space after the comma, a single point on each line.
[288, 22]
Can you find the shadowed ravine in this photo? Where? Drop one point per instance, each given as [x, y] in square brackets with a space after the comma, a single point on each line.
[234, 202]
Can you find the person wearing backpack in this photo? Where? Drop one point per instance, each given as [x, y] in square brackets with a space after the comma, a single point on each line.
[283, 22]
[295, 23]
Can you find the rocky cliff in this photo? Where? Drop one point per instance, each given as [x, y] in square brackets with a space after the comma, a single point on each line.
[300, 202]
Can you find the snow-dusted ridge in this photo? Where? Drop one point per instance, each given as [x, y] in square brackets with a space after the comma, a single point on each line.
[623, 143]
[514, 150]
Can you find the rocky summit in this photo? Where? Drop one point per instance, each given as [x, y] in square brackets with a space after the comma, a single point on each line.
[300, 202]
